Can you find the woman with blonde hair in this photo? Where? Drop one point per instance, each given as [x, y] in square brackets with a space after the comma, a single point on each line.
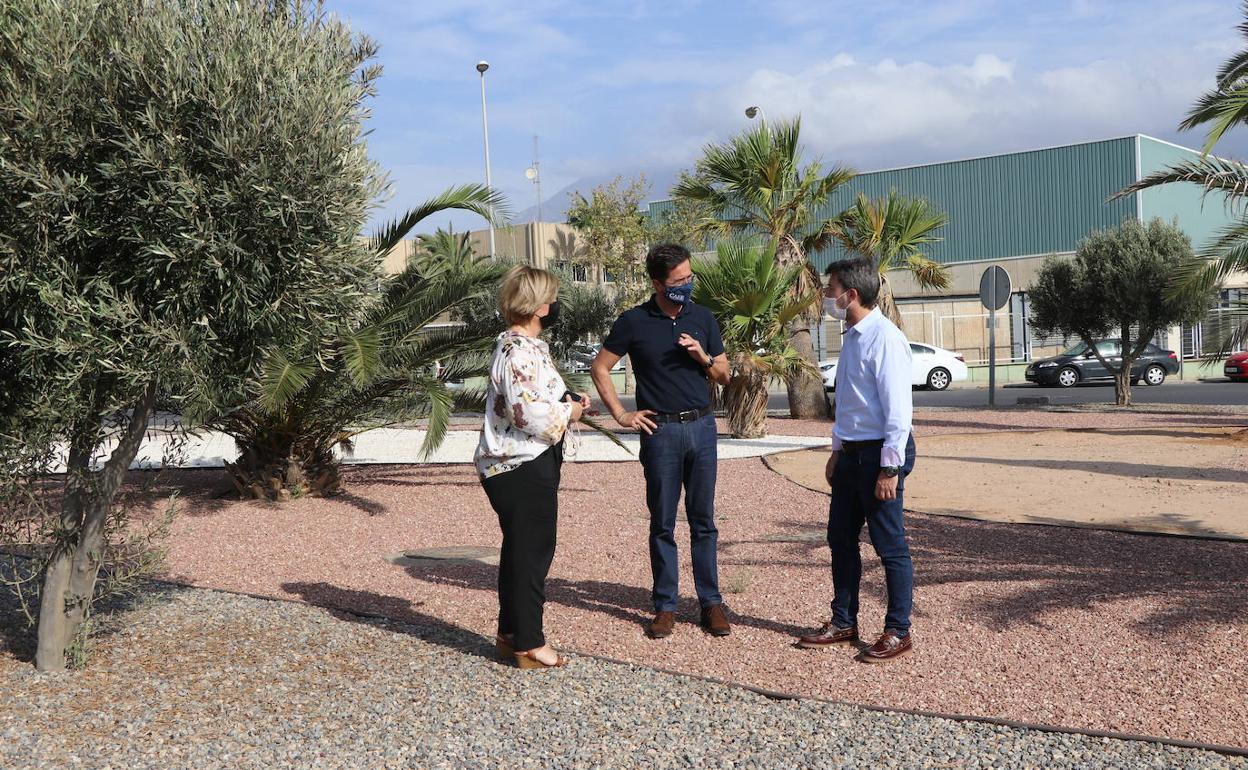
[528, 411]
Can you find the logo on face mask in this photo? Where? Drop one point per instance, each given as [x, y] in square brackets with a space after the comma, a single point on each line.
[680, 294]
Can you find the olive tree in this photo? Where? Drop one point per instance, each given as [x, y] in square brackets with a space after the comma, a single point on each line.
[1118, 284]
[182, 182]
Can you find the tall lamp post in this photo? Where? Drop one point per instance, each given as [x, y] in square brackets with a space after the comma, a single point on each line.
[756, 111]
[482, 66]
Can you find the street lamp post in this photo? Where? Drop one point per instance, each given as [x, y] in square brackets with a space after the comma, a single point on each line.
[756, 111]
[482, 66]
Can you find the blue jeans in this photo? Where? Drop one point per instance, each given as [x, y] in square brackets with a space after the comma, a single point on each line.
[853, 502]
[680, 455]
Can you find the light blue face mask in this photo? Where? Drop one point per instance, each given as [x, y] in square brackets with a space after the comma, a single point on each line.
[681, 294]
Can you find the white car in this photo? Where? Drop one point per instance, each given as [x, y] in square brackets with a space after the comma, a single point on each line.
[935, 367]
[931, 367]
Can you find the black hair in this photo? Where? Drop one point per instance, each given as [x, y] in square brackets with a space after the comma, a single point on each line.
[661, 259]
[860, 274]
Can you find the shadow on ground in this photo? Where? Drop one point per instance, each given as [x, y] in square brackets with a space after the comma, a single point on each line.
[356, 606]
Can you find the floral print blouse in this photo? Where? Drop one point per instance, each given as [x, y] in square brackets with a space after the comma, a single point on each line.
[525, 414]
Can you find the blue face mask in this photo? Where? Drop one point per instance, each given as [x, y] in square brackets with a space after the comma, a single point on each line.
[681, 294]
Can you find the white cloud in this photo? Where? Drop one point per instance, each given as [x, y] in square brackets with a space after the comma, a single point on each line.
[890, 111]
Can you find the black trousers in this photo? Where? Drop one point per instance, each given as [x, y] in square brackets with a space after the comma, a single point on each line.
[526, 500]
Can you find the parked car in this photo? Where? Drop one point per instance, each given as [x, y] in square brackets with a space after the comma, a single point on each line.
[935, 368]
[931, 367]
[827, 369]
[581, 356]
[1080, 364]
[1236, 367]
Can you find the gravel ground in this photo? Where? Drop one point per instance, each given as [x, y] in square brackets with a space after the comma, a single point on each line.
[210, 680]
[1057, 626]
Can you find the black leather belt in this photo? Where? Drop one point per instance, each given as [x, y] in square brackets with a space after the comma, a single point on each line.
[689, 416]
[858, 446]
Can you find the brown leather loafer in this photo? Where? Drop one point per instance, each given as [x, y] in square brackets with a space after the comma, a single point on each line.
[715, 620]
[662, 625]
[828, 635]
[888, 647]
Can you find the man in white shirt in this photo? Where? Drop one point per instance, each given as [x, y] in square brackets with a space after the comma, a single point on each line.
[872, 453]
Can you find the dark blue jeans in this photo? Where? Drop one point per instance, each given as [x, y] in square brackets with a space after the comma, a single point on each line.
[682, 455]
[853, 502]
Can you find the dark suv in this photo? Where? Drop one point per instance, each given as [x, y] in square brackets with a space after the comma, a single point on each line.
[1079, 364]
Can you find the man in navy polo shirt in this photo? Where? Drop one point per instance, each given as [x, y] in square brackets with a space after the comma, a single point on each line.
[675, 347]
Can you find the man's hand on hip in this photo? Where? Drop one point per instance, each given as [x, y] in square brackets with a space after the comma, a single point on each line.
[886, 487]
[639, 420]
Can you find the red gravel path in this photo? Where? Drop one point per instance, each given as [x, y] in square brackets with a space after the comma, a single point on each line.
[1060, 626]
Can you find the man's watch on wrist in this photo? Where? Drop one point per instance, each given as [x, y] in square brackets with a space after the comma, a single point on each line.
[709, 362]
[890, 471]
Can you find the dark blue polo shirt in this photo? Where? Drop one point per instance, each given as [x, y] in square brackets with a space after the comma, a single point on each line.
[668, 379]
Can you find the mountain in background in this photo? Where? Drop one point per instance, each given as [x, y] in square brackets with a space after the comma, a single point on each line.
[555, 206]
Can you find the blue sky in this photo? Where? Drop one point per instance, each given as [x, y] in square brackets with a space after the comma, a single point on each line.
[614, 87]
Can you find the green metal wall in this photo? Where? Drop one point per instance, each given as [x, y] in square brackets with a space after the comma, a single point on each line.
[1015, 205]
[1201, 218]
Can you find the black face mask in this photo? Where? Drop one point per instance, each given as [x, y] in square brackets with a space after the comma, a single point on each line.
[551, 318]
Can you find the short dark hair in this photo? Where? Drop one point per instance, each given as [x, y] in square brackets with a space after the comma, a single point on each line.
[860, 274]
[663, 258]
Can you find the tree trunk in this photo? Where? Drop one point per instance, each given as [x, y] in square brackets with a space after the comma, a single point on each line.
[69, 581]
[806, 397]
[628, 374]
[745, 400]
[886, 303]
[1122, 388]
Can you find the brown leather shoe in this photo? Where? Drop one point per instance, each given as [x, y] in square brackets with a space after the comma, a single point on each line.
[828, 635]
[888, 647]
[715, 620]
[662, 625]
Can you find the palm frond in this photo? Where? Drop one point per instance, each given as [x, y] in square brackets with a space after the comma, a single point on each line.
[928, 273]
[598, 427]
[441, 408]
[362, 354]
[1229, 331]
[476, 198]
[282, 378]
[1211, 173]
[1224, 108]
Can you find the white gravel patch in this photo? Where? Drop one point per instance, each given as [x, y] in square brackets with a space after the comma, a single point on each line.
[402, 445]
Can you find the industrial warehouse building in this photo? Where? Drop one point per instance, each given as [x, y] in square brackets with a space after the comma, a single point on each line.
[1013, 210]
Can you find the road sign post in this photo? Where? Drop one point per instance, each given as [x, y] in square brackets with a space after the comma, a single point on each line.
[994, 293]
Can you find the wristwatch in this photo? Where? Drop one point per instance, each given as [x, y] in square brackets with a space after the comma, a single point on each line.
[890, 471]
[709, 362]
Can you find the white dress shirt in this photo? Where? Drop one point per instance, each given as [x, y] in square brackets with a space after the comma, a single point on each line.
[873, 399]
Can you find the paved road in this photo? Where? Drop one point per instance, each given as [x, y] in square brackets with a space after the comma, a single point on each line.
[1172, 392]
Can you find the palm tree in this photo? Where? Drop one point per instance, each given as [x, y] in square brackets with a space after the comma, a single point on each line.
[1221, 109]
[445, 246]
[756, 183]
[752, 297]
[381, 369]
[891, 231]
